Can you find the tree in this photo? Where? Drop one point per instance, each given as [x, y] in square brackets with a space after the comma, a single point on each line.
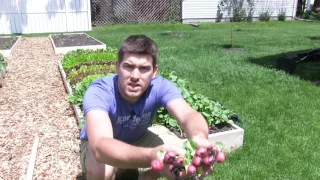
[301, 7]
[236, 12]
[316, 4]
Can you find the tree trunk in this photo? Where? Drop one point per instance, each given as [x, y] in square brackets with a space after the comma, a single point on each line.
[316, 4]
[299, 7]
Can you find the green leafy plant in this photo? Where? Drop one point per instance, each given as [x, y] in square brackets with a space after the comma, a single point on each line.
[240, 15]
[80, 88]
[3, 64]
[92, 68]
[76, 57]
[77, 75]
[315, 16]
[265, 16]
[213, 111]
[282, 16]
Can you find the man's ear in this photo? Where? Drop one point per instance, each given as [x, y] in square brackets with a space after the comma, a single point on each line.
[117, 66]
[155, 70]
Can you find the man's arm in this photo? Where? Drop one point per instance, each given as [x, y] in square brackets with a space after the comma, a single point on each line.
[110, 151]
[192, 122]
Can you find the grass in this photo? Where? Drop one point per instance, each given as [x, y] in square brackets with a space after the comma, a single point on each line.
[279, 112]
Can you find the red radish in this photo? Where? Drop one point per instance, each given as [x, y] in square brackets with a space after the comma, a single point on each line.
[157, 164]
[169, 157]
[201, 152]
[197, 161]
[180, 161]
[212, 150]
[221, 156]
[170, 167]
[208, 160]
[191, 170]
[215, 149]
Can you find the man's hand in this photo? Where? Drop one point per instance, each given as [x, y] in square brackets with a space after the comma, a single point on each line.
[177, 150]
[203, 142]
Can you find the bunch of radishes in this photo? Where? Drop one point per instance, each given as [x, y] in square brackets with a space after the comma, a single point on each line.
[191, 164]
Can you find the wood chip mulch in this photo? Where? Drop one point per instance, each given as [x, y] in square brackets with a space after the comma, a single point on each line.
[33, 102]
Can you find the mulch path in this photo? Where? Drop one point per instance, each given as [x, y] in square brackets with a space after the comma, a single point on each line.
[33, 101]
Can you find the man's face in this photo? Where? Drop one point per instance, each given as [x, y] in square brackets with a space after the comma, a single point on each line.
[135, 73]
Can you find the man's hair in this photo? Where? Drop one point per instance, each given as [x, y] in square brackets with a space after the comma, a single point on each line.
[139, 44]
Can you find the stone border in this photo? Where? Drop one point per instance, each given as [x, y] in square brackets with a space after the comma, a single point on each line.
[64, 50]
[8, 52]
[232, 139]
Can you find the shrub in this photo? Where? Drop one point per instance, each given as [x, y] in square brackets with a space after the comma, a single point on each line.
[315, 15]
[282, 16]
[213, 111]
[265, 16]
[239, 15]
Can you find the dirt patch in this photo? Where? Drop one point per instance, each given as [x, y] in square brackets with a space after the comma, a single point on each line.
[7, 42]
[67, 40]
[233, 48]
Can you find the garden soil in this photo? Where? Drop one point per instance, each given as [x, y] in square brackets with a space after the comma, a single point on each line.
[33, 102]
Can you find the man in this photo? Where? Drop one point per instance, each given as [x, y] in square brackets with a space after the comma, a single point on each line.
[120, 108]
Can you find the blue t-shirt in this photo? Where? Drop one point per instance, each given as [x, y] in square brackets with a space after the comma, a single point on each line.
[129, 121]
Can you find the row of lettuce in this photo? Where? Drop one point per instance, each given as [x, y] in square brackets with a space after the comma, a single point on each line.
[3, 65]
[82, 67]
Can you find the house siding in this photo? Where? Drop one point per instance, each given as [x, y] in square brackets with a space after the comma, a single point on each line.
[35, 16]
[207, 10]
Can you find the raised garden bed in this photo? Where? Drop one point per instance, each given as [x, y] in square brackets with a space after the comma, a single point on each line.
[8, 44]
[230, 135]
[80, 67]
[221, 129]
[63, 43]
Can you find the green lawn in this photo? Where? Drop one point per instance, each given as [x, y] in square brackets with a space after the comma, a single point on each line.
[280, 113]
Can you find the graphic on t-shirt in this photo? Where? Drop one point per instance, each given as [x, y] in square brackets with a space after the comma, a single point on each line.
[134, 121]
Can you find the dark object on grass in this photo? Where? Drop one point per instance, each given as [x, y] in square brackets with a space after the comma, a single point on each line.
[195, 25]
[288, 62]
